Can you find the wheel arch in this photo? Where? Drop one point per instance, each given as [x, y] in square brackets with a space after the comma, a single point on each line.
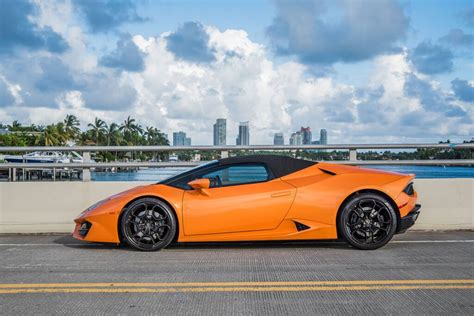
[119, 231]
[374, 191]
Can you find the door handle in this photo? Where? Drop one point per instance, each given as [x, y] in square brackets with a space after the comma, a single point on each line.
[278, 194]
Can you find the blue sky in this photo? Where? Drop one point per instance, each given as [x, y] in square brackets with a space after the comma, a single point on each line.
[365, 70]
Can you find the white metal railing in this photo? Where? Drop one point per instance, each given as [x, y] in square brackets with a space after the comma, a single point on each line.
[224, 152]
[234, 148]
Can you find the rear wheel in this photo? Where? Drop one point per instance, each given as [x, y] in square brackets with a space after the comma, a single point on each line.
[367, 221]
[148, 224]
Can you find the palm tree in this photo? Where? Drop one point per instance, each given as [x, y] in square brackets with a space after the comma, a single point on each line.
[98, 127]
[128, 126]
[53, 135]
[15, 126]
[112, 134]
[150, 133]
[155, 137]
[71, 126]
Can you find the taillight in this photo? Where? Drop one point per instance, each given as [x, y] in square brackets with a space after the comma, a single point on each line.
[409, 190]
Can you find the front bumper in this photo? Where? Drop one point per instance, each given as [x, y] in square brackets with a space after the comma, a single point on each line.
[409, 220]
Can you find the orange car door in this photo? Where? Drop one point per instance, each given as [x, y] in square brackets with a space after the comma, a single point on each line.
[236, 208]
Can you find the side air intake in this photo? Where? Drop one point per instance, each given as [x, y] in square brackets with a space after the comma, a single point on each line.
[300, 227]
[327, 171]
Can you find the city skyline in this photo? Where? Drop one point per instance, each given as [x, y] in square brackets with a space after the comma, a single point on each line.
[301, 137]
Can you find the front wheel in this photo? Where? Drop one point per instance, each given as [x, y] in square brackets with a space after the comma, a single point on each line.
[367, 221]
[148, 224]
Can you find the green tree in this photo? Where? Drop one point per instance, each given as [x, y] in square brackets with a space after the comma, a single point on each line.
[15, 126]
[112, 134]
[52, 135]
[71, 127]
[99, 127]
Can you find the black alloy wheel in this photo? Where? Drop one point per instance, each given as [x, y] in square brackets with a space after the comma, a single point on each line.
[367, 221]
[148, 224]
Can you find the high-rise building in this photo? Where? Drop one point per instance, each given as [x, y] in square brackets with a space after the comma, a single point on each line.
[323, 138]
[187, 141]
[180, 139]
[243, 139]
[296, 138]
[220, 133]
[306, 134]
[278, 139]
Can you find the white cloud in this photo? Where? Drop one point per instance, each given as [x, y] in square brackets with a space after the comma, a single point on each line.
[242, 83]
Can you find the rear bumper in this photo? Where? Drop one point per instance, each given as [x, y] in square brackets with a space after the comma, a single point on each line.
[409, 220]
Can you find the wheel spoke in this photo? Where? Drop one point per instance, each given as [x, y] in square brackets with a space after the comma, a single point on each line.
[352, 225]
[129, 221]
[359, 212]
[164, 226]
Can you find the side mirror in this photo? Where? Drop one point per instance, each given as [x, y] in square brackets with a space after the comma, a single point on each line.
[200, 184]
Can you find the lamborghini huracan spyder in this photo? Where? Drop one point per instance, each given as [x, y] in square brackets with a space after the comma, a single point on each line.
[255, 198]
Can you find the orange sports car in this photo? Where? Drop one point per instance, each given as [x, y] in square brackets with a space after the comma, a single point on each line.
[253, 198]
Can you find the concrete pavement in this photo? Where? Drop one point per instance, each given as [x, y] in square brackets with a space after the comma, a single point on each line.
[419, 272]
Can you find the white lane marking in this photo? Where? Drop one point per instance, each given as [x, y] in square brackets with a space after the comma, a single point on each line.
[428, 241]
[216, 243]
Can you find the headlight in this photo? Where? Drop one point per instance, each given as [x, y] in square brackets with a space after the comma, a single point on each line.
[97, 204]
[92, 207]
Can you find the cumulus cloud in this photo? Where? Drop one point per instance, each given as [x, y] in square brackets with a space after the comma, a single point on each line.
[330, 31]
[190, 42]
[431, 99]
[105, 92]
[54, 75]
[463, 89]
[369, 109]
[127, 56]
[39, 77]
[17, 30]
[43, 81]
[105, 15]
[457, 37]
[6, 97]
[432, 59]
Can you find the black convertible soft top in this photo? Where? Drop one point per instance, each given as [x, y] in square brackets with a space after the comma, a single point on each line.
[279, 165]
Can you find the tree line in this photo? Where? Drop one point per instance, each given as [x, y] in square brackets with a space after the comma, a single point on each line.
[98, 133]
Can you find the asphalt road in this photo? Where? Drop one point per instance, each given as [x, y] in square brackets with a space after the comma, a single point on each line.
[423, 273]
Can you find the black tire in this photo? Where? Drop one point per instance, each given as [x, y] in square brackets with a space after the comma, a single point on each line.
[367, 221]
[148, 224]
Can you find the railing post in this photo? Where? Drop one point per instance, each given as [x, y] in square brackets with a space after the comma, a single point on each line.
[352, 154]
[86, 172]
[224, 154]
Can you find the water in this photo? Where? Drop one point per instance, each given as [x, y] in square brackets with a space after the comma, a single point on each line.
[431, 172]
[158, 174]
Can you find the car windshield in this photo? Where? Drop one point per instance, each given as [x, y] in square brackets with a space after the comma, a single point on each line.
[188, 171]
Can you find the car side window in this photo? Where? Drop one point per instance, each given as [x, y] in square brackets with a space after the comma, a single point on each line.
[237, 174]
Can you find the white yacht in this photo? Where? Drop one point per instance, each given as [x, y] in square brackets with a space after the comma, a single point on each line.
[45, 157]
